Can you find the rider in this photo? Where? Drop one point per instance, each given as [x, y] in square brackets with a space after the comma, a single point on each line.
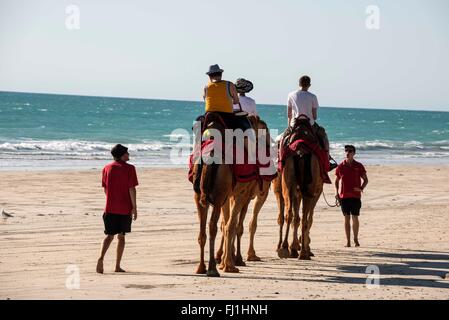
[220, 96]
[304, 103]
[247, 104]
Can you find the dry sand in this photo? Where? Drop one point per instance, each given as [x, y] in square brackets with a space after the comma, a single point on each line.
[57, 228]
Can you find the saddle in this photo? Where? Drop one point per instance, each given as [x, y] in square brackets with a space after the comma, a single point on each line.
[301, 130]
[243, 172]
[301, 140]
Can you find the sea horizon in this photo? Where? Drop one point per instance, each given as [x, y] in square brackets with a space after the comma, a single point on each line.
[199, 101]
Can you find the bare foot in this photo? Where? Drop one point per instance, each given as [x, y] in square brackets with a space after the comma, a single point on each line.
[357, 244]
[118, 269]
[100, 266]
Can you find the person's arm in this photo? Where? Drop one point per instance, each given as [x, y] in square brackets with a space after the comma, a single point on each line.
[204, 93]
[234, 94]
[133, 194]
[315, 109]
[365, 181]
[337, 187]
[289, 112]
[103, 180]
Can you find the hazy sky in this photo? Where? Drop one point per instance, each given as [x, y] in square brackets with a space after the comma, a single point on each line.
[161, 49]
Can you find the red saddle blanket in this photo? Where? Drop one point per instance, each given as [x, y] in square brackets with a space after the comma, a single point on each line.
[293, 148]
[244, 172]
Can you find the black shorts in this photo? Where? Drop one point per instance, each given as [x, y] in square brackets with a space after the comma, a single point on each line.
[351, 206]
[117, 223]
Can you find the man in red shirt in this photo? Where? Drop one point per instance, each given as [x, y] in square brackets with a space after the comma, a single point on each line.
[350, 172]
[119, 182]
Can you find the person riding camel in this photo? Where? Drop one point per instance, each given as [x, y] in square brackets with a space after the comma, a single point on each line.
[302, 103]
[220, 96]
[247, 104]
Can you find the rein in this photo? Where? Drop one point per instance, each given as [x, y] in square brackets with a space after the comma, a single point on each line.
[337, 203]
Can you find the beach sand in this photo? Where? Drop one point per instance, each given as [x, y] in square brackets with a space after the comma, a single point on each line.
[57, 230]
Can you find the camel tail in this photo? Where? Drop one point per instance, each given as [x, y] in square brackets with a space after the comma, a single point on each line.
[304, 174]
[207, 184]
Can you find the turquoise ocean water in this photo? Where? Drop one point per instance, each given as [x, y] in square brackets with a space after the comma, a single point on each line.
[62, 131]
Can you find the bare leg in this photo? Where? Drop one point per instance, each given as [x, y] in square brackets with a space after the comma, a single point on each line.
[120, 249]
[348, 230]
[104, 248]
[355, 228]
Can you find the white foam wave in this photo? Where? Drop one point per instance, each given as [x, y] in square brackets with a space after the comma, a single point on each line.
[80, 147]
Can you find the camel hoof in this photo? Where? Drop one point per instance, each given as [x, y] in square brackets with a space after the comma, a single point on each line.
[231, 269]
[294, 254]
[253, 258]
[239, 262]
[304, 256]
[201, 269]
[283, 253]
[213, 273]
[218, 256]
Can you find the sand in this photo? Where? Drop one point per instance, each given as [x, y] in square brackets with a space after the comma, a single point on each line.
[57, 229]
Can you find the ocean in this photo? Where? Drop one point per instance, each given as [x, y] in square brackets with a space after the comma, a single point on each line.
[47, 131]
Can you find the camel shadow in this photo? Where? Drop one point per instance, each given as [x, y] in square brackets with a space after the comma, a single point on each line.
[407, 269]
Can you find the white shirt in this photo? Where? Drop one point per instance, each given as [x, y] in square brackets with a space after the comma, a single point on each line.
[302, 102]
[248, 105]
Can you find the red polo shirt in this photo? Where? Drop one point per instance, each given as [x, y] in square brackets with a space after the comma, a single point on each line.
[118, 177]
[350, 175]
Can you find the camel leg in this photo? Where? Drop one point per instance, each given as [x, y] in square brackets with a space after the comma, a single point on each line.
[227, 262]
[280, 201]
[260, 200]
[224, 220]
[238, 258]
[295, 247]
[202, 238]
[304, 254]
[212, 269]
[290, 195]
[309, 225]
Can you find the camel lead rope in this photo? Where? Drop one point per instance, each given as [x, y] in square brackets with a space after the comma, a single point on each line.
[337, 203]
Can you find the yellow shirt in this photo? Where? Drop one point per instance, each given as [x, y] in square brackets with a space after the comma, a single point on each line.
[218, 97]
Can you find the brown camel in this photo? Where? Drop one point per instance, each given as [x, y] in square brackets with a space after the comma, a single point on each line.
[216, 188]
[260, 195]
[300, 181]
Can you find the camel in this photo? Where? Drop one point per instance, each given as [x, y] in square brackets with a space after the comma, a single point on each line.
[216, 190]
[291, 187]
[260, 195]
